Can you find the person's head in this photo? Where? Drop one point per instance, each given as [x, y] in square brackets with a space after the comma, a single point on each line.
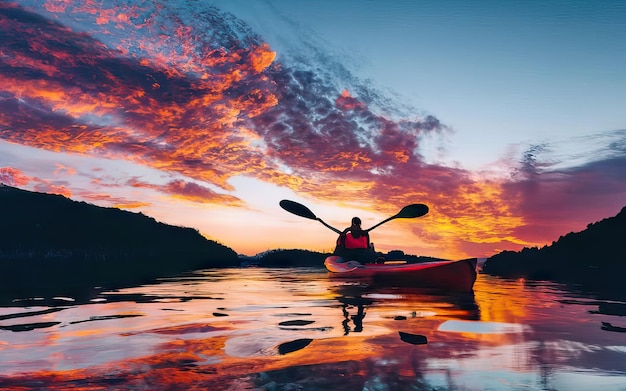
[356, 222]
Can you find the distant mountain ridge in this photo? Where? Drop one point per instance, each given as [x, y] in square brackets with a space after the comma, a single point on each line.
[46, 237]
[594, 255]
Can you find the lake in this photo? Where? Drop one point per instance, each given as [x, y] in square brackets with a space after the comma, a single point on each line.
[298, 329]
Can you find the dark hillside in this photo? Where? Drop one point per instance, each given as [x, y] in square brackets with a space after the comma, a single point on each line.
[291, 258]
[49, 239]
[595, 255]
[306, 258]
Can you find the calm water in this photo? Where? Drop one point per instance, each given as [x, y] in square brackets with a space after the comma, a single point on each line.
[290, 329]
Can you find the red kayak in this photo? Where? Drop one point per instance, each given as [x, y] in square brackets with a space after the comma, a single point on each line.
[450, 275]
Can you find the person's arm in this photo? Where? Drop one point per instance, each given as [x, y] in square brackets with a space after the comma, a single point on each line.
[341, 243]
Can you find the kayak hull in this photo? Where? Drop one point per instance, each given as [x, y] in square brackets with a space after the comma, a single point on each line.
[450, 275]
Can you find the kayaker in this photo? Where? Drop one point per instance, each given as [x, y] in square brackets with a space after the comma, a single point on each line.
[354, 236]
[354, 243]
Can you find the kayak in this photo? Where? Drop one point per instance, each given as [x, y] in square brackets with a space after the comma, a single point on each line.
[451, 275]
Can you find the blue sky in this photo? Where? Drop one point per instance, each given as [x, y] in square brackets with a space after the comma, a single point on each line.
[502, 74]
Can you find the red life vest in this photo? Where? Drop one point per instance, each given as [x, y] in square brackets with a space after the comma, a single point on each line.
[352, 242]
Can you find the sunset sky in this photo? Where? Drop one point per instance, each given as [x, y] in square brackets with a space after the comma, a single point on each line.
[507, 118]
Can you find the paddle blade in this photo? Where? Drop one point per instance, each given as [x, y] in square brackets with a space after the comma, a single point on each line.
[413, 210]
[297, 209]
[408, 212]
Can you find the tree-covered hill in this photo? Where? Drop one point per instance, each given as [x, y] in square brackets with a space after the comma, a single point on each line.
[306, 258]
[595, 255]
[46, 238]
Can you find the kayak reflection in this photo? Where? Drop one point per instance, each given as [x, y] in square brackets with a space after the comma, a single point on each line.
[400, 303]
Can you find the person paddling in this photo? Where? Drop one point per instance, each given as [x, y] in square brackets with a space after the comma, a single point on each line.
[354, 243]
[354, 236]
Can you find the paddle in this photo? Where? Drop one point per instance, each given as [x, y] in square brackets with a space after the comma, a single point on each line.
[408, 212]
[303, 211]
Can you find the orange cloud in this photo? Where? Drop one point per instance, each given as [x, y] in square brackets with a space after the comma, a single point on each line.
[50, 188]
[347, 102]
[13, 177]
[187, 129]
[197, 193]
[115, 202]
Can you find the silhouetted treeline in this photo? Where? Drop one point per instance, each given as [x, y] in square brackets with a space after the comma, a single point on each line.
[595, 255]
[305, 258]
[288, 258]
[46, 238]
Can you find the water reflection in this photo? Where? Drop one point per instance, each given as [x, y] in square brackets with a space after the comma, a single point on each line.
[357, 319]
[396, 303]
[290, 328]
